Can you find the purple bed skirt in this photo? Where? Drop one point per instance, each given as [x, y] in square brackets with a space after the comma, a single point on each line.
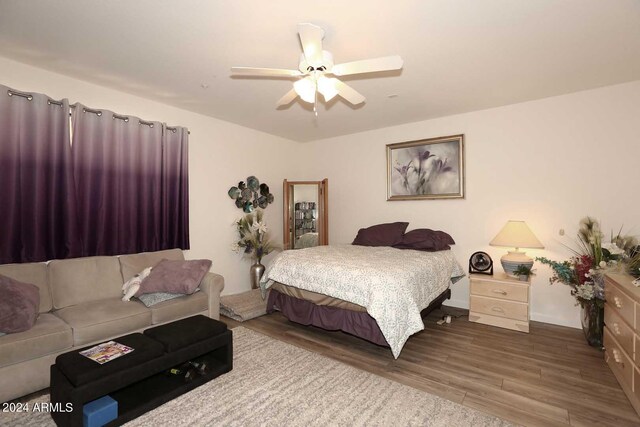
[357, 323]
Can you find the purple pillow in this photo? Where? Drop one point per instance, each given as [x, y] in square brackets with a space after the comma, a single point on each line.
[19, 305]
[424, 239]
[381, 235]
[175, 277]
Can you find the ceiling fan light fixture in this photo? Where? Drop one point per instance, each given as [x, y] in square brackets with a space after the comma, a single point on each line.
[306, 89]
[327, 87]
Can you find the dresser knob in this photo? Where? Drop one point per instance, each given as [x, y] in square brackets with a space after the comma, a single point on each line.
[616, 356]
[499, 291]
[497, 309]
[617, 301]
[616, 329]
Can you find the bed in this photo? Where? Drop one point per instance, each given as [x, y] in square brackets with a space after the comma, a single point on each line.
[376, 293]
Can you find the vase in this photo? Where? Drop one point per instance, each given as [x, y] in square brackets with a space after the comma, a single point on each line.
[593, 323]
[256, 271]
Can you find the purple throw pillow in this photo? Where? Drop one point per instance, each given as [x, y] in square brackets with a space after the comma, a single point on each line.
[381, 235]
[19, 305]
[424, 239]
[175, 277]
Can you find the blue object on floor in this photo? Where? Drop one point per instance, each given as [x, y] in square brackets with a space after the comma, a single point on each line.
[99, 412]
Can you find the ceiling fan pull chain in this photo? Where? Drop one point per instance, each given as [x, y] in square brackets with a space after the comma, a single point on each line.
[315, 97]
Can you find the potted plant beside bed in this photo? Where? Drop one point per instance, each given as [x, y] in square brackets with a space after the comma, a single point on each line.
[523, 272]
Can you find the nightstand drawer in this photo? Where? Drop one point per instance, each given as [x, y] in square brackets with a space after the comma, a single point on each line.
[501, 308]
[508, 291]
[619, 302]
[619, 329]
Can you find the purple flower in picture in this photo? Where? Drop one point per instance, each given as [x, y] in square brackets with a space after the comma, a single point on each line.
[441, 166]
[424, 155]
[404, 170]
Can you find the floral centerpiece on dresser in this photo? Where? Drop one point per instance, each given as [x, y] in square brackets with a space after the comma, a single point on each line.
[254, 240]
[584, 272]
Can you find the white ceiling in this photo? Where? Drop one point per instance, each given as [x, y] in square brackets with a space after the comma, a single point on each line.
[459, 55]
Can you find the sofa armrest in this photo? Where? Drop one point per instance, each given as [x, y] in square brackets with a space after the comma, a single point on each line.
[212, 284]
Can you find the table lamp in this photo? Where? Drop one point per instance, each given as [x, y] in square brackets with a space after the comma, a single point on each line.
[516, 234]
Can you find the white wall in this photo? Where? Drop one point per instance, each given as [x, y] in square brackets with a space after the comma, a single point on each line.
[548, 162]
[220, 155]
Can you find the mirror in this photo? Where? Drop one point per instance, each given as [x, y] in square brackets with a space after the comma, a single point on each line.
[305, 214]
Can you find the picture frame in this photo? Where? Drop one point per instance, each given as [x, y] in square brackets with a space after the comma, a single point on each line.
[426, 169]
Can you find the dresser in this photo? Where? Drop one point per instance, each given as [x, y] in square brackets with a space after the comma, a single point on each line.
[499, 300]
[622, 333]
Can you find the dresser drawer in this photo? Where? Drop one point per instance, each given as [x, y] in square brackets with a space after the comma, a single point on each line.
[620, 302]
[619, 329]
[618, 361]
[508, 291]
[636, 384]
[501, 308]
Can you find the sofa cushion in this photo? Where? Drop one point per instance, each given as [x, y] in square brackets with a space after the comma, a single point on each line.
[35, 273]
[187, 305]
[18, 306]
[80, 280]
[135, 263]
[102, 320]
[49, 335]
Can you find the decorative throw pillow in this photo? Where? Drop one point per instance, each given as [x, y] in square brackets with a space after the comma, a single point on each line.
[175, 277]
[158, 297]
[424, 239]
[19, 305]
[381, 234]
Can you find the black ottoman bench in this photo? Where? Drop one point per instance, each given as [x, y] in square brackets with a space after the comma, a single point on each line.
[143, 379]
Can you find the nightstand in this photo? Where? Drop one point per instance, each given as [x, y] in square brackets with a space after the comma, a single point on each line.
[499, 300]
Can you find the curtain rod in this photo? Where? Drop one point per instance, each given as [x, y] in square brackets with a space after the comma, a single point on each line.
[98, 113]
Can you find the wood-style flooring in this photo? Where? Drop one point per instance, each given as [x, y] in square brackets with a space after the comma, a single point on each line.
[548, 377]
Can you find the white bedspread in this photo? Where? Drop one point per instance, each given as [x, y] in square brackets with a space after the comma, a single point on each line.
[394, 285]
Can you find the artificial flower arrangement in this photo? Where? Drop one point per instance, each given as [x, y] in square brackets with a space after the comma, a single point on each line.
[584, 272]
[254, 239]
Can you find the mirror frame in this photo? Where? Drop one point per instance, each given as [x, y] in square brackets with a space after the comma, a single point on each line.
[323, 212]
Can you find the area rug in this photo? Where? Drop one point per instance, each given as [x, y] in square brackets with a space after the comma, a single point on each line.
[278, 384]
[244, 306]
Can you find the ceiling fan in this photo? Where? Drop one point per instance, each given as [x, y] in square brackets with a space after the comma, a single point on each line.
[316, 68]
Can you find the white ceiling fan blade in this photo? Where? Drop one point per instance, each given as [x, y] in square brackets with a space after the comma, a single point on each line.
[348, 93]
[287, 98]
[327, 87]
[386, 63]
[270, 72]
[311, 38]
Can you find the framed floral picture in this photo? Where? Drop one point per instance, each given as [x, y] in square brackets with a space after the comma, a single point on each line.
[426, 169]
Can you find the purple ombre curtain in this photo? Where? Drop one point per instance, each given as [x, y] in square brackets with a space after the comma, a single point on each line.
[38, 218]
[117, 165]
[175, 188]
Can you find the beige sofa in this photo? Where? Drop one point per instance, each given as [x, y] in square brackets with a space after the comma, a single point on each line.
[80, 304]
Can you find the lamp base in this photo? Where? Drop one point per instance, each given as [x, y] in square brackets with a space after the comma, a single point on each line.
[512, 260]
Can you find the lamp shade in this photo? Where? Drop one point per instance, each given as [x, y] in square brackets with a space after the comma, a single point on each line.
[516, 234]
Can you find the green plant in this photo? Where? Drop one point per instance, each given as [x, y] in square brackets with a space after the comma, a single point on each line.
[523, 270]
